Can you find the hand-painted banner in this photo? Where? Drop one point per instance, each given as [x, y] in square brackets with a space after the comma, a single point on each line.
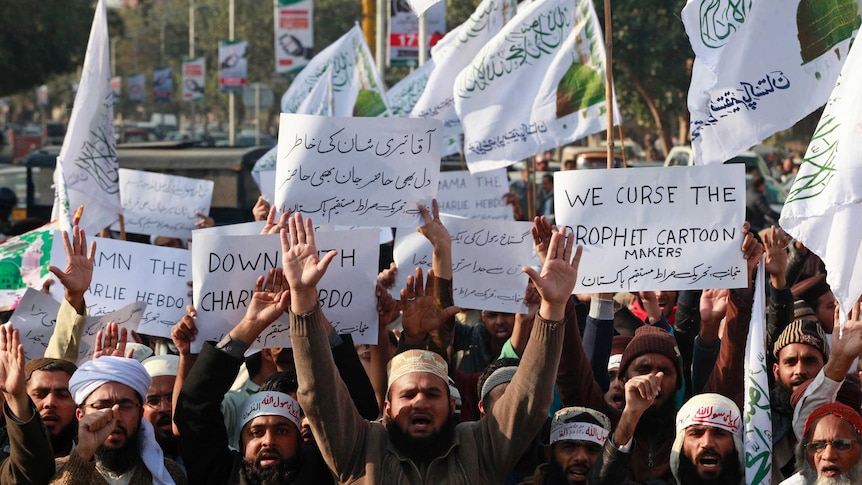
[356, 86]
[163, 205]
[294, 34]
[824, 207]
[487, 257]
[353, 171]
[136, 85]
[126, 272]
[194, 80]
[452, 54]
[86, 171]
[478, 196]
[655, 228]
[24, 262]
[508, 111]
[163, 84]
[233, 65]
[761, 67]
[36, 319]
[225, 269]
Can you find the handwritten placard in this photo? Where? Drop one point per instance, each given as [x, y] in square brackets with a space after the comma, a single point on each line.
[478, 196]
[655, 228]
[225, 269]
[36, 318]
[345, 170]
[162, 205]
[125, 272]
[487, 257]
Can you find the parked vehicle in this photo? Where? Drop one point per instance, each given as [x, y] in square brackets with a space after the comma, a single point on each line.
[53, 133]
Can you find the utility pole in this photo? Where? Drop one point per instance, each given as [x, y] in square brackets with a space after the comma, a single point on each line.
[192, 56]
[231, 133]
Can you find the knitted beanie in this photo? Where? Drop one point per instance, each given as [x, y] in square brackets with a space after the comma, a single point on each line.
[652, 340]
[803, 331]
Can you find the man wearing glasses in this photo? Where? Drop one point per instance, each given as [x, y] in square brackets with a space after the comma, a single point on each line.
[115, 445]
[830, 450]
[158, 408]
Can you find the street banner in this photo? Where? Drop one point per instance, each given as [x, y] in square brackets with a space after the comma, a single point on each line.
[656, 228]
[86, 172]
[403, 41]
[357, 89]
[233, 65]
[352, 170]
[194, 82]
[163, 84]
[760, 67]
[538, 84]
[117, 88]
[136, 84]
[824, 207]
[294, 34]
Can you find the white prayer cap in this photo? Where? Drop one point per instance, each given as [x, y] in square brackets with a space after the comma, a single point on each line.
[140, 352]
[162, 365]
[97, 372]
[412, 361]
[269, 403]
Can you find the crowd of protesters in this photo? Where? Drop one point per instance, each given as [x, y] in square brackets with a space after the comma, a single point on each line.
[582, 389]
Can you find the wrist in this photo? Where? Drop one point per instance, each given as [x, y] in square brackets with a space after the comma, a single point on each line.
[412, 339]
[303, 300]
[551, 311]
[76, 299]
[779, 282]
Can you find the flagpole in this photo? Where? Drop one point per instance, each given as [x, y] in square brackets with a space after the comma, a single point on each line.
[609, 83]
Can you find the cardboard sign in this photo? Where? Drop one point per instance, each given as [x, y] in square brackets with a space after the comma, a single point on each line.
[487, 257]
[126, 272]
[346, 171]
[655, 228]
[225, 269]
[163, 205]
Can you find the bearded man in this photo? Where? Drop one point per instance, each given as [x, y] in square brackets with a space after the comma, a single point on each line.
[830, 452]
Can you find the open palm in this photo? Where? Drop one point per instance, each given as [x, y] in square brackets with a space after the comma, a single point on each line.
[303, 268]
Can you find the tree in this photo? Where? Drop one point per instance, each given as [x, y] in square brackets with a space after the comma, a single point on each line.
[651, 63]
[40, 39]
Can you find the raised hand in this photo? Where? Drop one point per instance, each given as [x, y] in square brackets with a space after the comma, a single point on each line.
[11, 361]
[204, 220]
[112, 341]
[558, 276]
[641, 391]
[78, 274]
[775, 243]
[273, 225]
[752, 251]
[269, 301]
[846, 344]
[303, 268]
[261, 209]
[420, 311]
[387, 308]
[434, 230]
[713, 307]
[386, 278]
[183, 332]
[541, 231]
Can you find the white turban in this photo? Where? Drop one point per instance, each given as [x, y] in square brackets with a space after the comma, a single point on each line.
[98, 372]
[162, 365]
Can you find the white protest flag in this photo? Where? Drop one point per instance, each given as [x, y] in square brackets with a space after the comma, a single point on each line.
[761, 68]
[758, 414]
[452, 54]
[824, 207]
[508, 111]
[87, 164]
[319, 100]
[356, 86]
[405, 93]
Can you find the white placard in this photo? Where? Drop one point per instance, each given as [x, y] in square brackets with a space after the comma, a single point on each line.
[36, 317]
[125, 272]
[659, 228]
[487, 257]
[352, 170]
[163, 205]
[225, 269]
[478, 196]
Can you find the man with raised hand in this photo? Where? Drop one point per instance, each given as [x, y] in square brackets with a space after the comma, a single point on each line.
[30, 459]
[418, 403]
